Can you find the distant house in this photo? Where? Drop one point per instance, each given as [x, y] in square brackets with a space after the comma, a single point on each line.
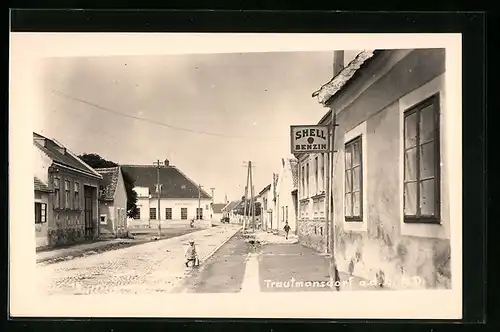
[112, 202]
[266, 200]
[181, 199]
[217, 211]
[286, 195]
[66, 195]
[230, 211]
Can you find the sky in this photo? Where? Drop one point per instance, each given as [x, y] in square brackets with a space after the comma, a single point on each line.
[208, 114]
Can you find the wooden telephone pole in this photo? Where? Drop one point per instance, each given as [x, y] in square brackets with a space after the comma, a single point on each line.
[333, 265]
[251, 207]
[158, 190]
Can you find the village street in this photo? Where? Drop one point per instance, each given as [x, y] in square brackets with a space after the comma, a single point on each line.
[241, 262]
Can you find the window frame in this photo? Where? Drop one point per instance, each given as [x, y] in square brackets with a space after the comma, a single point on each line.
[359, 140]
[76, 195]
[138, 215]
[151, 209]
[168, 213]
[418, 218]
[57, 192]
[40, 213]
[199, 213]
[67, 194]
[184, 216]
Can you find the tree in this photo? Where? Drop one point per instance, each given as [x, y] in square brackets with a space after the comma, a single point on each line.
[96, 161]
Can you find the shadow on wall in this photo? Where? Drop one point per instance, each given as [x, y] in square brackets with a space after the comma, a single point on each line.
[380, 257]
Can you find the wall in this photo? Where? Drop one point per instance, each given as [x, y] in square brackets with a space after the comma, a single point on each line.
[68, 225]
[41, 230]
[382, 245]
[284, 200]
[312, 228]
[176, 204]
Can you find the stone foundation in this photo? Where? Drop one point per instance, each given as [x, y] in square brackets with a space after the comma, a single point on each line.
[58, 237]
[404, 263]
[312, 234]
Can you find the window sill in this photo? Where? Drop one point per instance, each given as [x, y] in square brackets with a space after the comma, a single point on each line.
[318, 196]
[422, 220]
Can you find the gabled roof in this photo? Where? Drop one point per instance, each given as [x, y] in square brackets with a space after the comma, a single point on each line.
[110, 177]
[40, 186]
[175, 184]
[62, 156]
[329, 89]
[217, 207]
[266, 188]
[231, 206]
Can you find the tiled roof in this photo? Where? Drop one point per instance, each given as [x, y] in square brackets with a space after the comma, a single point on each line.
[217, 207]
[175, 184]
[39, 185]
[231, 206]
[337, 83]
[109, 181]
[61, 155]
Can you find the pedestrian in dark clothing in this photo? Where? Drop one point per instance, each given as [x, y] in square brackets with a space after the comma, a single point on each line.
[286, 229]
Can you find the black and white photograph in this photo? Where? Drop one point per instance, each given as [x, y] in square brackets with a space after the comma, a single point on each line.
[226, 175]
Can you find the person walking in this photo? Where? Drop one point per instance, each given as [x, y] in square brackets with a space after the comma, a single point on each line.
[286, 229]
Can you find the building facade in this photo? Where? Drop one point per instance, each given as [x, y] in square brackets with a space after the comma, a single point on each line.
[266, 201]
[181, 199]
[112, 202]
[286, 196]
[69, 205]
[390, 188]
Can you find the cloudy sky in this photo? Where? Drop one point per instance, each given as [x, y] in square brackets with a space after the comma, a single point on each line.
[207, 114]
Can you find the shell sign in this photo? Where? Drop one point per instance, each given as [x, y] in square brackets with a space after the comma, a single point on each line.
[309, 139]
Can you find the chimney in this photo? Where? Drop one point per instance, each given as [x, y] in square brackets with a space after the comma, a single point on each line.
[338, 62]
[166, 163]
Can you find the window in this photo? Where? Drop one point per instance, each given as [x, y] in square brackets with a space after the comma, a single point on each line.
[168, 213]
[138, 214]
[184, 213]
[316, 174]
[103, 219]
[316, 209]
[307, 180]
[421, 162]
[286, 213]
[353, 181]
[77, 196]
[57, 189]
[303, 176]
[152, 213]
[199, 213]
[304, 206]
[206, 207]
[40, 213]
[322, 208]
[67, 194]
[322, 172]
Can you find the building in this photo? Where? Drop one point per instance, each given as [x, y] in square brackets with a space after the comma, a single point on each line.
[181, 199]
[391, 167]
[286, 195]
[66, 189]
[266, 201]
[112, 202]
[217, 211]
[231, 211]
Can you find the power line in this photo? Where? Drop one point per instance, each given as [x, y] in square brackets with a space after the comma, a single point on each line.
[156, 122]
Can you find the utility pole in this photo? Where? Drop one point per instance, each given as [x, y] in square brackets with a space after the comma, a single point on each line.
[212, 189]
[333, 266]
[252, 200]
[249, 186]
[199, 202]
[158, 190]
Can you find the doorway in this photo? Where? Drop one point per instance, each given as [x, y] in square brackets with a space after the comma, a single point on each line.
[89, 212]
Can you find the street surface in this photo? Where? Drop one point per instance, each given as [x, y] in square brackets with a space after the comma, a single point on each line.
[283, 266]
[231, 262]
